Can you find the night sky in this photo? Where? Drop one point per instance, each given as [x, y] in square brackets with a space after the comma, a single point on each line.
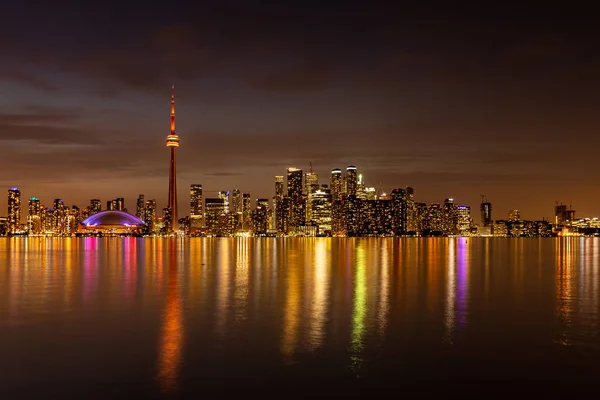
[456, 101]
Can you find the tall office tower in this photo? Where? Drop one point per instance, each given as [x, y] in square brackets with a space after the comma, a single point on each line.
[411, 211]
[282, 215]
[150, 215]
[351, 180]
[294, 182]
[246, 212]
[34, 219]
[14, 210]
[435, 218]
[514, 215]
[361, 190]
[73, 219]
[60, 215]
[111, 205]
[277, 201]
[236, 202]
[196, 206]
[120, 204]
[172, 144]
[486, 216]
[463, 220]
[95, 206]
[311, 182]
[224, 194]
[449, 216]
[215, 215]
[260, 217]
[139, 209]
[319, 209]
[279, 186]
[399, 211]
[352, 215]
[336, 184]
[294, 192]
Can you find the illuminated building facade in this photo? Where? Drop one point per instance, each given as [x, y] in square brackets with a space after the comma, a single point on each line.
[215, 215]
[236, 201]
[246, 212]
[34, 219]
[311, 182]
[351, 180]
[150, 216]
[463, 220]
[295, 193]
[172, 144]
[14, 210]
[319, 207]
[196, 206]
[337, 191]
[95, 206]
[139, 208]
[514, 215]
[486, 217]
[398, 211]
[260, 217]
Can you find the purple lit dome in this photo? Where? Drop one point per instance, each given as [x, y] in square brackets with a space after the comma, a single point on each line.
[112, 218]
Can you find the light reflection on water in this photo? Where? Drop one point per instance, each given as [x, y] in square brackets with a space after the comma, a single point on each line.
[315, 306]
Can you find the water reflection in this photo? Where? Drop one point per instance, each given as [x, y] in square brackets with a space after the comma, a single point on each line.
[359, 309]
[321, 265]
[224, 283]
[457, 287]
[384, 288]
[564, 286]
[292, 308]
[242, 264]
[322, 304]
[171, 336]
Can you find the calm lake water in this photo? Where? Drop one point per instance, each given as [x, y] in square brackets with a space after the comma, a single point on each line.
[169, 318]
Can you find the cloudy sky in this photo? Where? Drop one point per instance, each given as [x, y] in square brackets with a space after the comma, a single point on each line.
[456, 101]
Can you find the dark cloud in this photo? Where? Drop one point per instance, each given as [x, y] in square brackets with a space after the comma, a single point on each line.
[447, 98]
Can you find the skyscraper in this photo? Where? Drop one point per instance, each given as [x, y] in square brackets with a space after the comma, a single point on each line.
[236, 201]
[278, 186]
[150, 215]
[14, 209]
[139, 210]
[120, 204]
[294, 190]
[449, 216]
[224, 194]
[277, 200]
[486, 216]
[336, 184]
[196, 206]
[311, 182]
[351, 180]
[34, 219]
[95, 206]
[246, 212]
[172, 144]
[463, 220]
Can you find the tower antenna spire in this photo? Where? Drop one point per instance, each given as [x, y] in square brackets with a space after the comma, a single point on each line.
[172, 109]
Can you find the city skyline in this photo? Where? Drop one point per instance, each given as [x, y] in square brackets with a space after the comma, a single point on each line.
[451, 109]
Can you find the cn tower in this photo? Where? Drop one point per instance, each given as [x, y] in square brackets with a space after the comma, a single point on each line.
[173, 144]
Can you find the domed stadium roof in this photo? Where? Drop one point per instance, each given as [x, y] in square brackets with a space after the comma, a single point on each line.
[112, 218]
